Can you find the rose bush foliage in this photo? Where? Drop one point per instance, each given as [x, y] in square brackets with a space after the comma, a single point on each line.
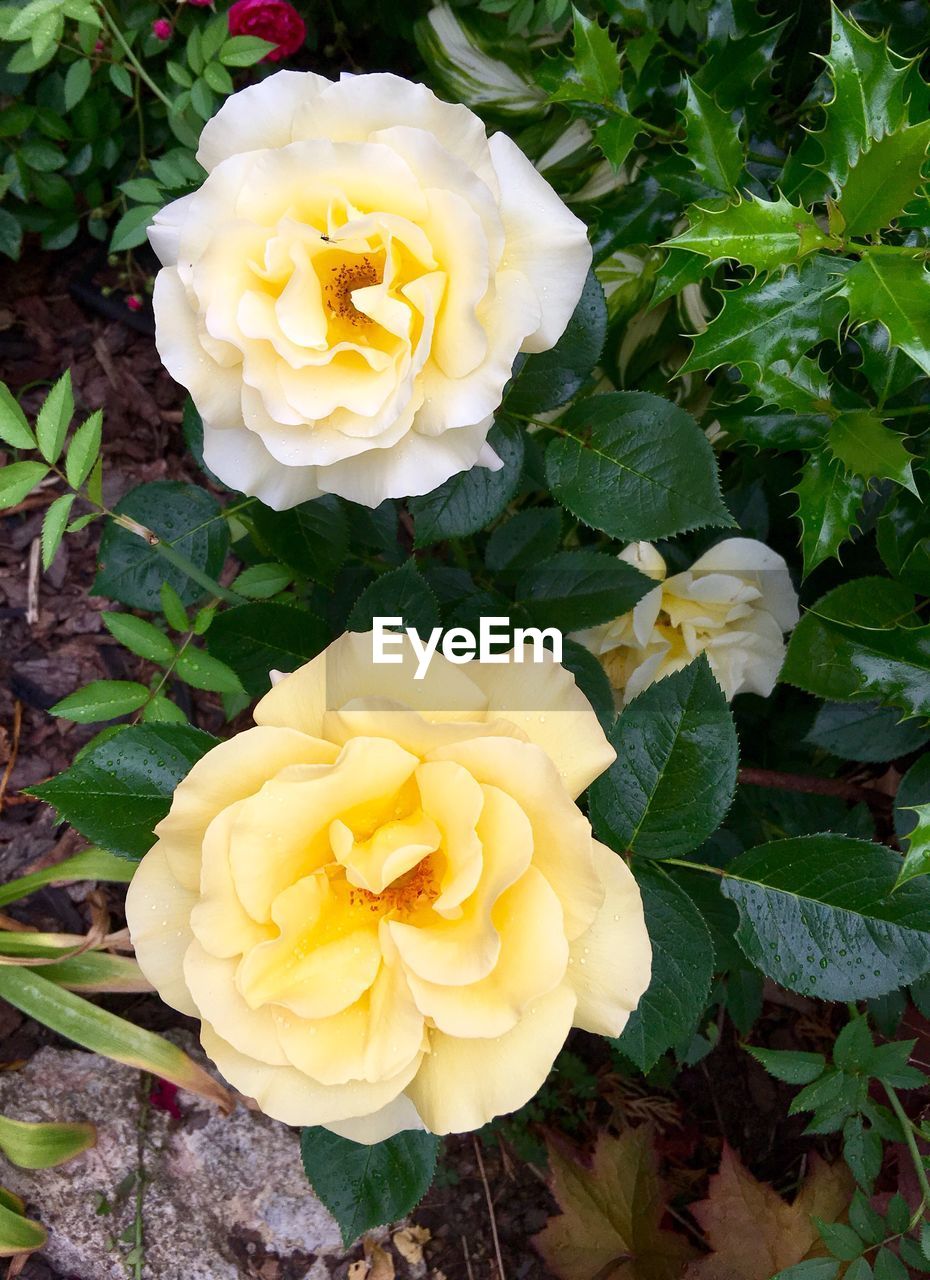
[729, 430]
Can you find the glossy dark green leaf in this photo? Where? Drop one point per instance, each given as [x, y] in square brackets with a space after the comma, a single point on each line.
[758, 233]
[818, 915]
[472, 499]
[829, 502]
[402, 593]
[682, 968]
[636, 466]
[790, 1065]
[865, 446]
[712, 140]
[865, 731]
[779, 318]
[256, 639]
[121, 785]
[368, 1186]
[552, 377]
[312, 538]
[884, 179]
[903, 535]
[675, 772]
[132, 571]
[101, 700]
[576, 589]
[896, 292]
[524, 539]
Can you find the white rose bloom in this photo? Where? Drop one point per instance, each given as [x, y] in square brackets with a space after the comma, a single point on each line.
[345, 295]
[734, 604]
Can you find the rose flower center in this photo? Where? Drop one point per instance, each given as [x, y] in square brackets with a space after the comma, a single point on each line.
[344, 278]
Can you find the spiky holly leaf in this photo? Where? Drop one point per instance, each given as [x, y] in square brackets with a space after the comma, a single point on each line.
[779, 318]
[894, 290]
[738, 70]
[762, 234]
[865, 446]
[712, 140]
[804, 388]
[829, 500]
[593, 74]
[917, 858]
[884, 179]
[616, 136]
[611, 1214]
[868, 94]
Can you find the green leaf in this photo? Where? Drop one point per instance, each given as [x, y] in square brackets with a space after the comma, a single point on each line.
[868, 94]
[551, 378]
[818, 915]
[18, 1234]
[675, 773]
[313, 538]
[139, 637]
[575, 589]
[77, 82]
[758, 233]
[917, 858]
[261, 581]
[53, 527]
[132, 227]
[891, 664]
[172, 607]
[400, 593]
[679, 269]
[104, 1033]
[883, 180]
[803, 388]
[865, 446]
[14, 429]
[841, 1240]
[591, 679]
[818, 657]
[903, 536]
[829, 502]
[779, 318]
[218, 78]
[121, 786]
[896, 292]
[616, 136]
[712, 140]
[682, 968]
[55, 417]
[594, 71]
[245, 51]
[11, 235]
[132, 571]
[524, 539]
[368, 1186]
[255, 639]
[83, 450]
[101, 700]
[204, 671]
[790, 1065]
[865, 731]
[635, 466]
[145, 190]
[472, 499]
[89, 864]
[42, 1146]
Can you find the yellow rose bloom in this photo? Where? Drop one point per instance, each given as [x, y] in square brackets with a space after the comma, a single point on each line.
[347, 292]
[734, 605]
[383, 902]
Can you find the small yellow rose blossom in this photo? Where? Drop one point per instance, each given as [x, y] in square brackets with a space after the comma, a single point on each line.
[734, 604]
[383, 902]
[346, 294]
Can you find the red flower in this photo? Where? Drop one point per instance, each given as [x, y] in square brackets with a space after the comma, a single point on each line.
[273, 20]
[161, 29]
[134, 302]
[164, 1097]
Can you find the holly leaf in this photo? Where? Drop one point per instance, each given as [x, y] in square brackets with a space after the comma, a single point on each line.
[611, 1211]
[775, 319]
[594, 69]
[917, 858]
[867, 448]
[616, 135]
[884, 179]
[762, 234]
[753, 1232]
[896, 292]
[868, 94]
[712, 140]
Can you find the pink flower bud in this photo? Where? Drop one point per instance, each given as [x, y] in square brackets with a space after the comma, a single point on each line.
[161, 29]
[134, 302]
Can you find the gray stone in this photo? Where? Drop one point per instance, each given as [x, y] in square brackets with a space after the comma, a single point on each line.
[225, 1198]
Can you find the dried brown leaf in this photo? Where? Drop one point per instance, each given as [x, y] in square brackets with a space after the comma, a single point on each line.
[409, 1242]
[753, 1232]
[609, 1225]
